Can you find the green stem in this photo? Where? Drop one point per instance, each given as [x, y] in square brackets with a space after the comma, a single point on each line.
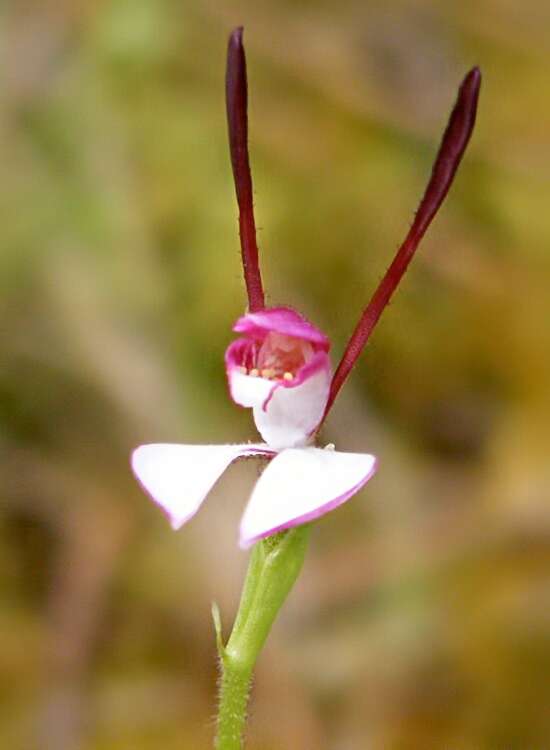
[253, 575]
[273, 569]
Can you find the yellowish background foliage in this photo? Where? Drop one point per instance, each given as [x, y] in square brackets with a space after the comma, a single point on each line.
[422, 618]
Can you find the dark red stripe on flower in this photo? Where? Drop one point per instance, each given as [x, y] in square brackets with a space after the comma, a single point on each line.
[454, 142]
[237, 122]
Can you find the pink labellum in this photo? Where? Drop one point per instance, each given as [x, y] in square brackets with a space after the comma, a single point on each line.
[300, 485]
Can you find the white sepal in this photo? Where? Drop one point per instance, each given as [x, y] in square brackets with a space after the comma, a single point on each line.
[178, 477]
[299, 485]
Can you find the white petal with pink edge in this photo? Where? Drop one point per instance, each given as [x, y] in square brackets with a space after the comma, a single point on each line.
[178, 477]
[299, 485]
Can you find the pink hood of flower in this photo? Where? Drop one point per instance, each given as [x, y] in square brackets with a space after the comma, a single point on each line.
[283, 320]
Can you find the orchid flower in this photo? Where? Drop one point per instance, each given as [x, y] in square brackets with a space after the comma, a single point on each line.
[279, 366]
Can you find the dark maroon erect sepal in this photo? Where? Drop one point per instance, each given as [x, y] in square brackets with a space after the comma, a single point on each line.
[454, 142]
[237, 122]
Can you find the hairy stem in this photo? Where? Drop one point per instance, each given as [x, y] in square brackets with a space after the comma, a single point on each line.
[273, 569]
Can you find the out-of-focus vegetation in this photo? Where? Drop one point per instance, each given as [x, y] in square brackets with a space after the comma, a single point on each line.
[422, 619]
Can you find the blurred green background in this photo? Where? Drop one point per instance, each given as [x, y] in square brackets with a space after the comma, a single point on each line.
[422, 617]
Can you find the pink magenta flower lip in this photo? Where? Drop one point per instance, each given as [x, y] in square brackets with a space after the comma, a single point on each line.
[282, 320]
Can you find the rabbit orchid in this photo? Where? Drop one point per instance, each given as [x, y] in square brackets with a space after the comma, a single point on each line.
[279, 366]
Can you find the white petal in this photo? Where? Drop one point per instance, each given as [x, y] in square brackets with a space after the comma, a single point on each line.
[247, 390]
[301, 484]
[178, 477]
[291, 414]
